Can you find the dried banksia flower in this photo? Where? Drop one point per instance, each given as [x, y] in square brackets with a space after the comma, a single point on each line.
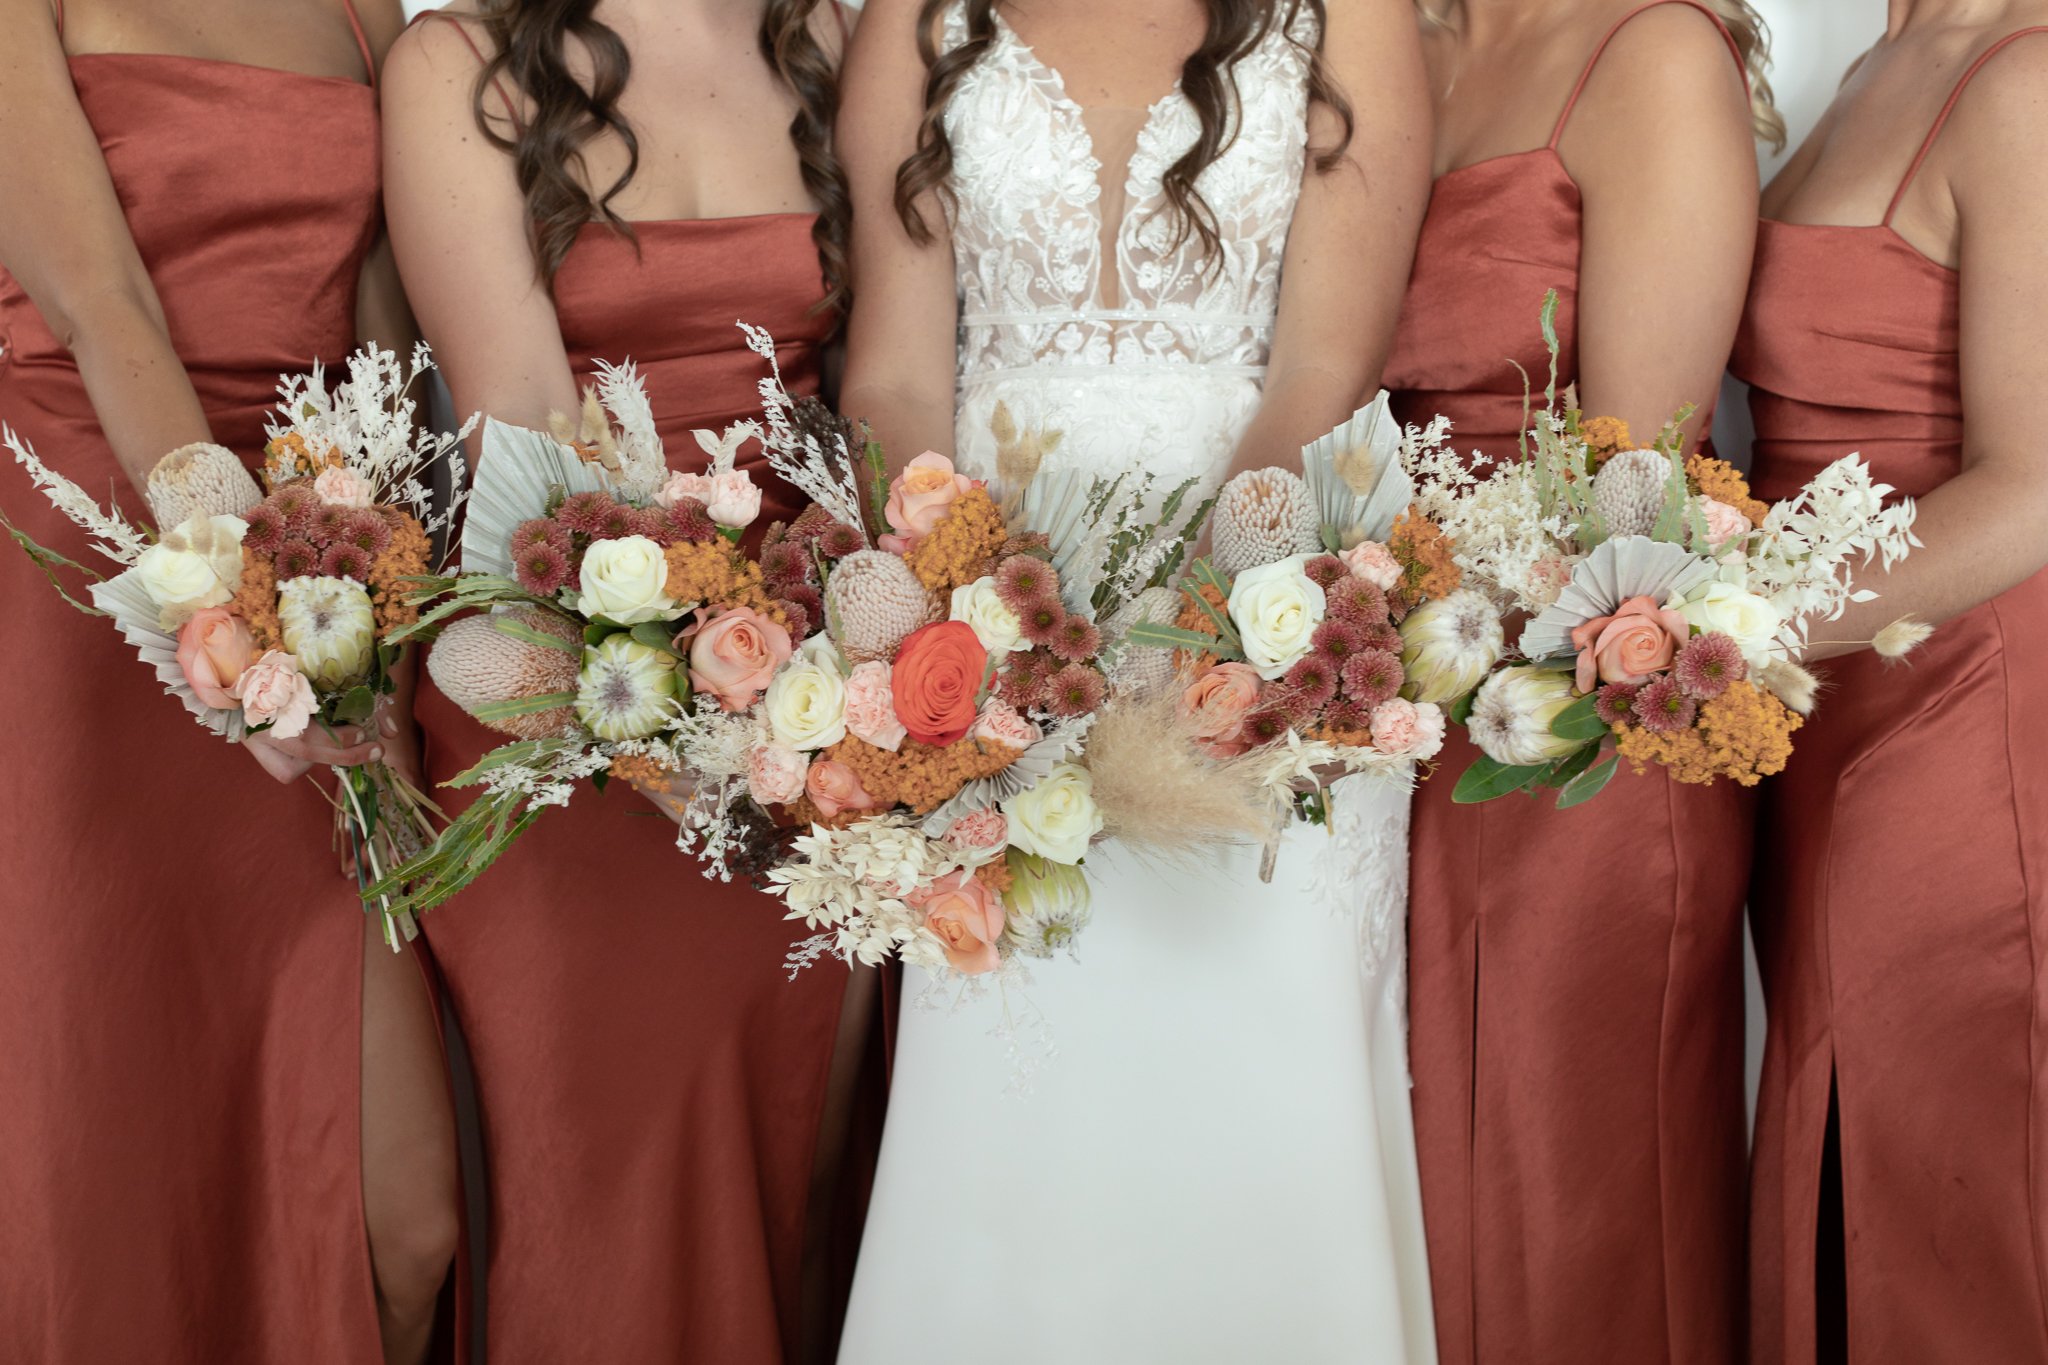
[873, 602]
[475, 664]
[1262, 516]
[1628, 492]
[200, 480]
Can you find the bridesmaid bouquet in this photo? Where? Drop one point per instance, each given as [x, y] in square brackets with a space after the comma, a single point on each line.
[1665, 605]
[1328, 627]
[276, 607]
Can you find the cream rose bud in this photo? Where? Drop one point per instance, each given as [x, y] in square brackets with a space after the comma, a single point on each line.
[624, 580]
[734, 501]
[1276, 609]
[197, 564]
[680, 485]
[1751, 621]
[806, 702]
[342, 487]
[995, 625]
[1511, 716]
[1058, 818]
[1448, 644]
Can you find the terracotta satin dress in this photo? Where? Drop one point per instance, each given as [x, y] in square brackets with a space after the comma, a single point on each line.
[1901, 897]
[180, 958]
[1575, 976]
[651, 1082]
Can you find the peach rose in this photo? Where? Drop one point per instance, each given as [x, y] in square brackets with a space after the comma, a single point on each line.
[937, 675]
[1214, 705]
[834, 787]
[999, 723]
[966, 917]
[871, 707]
[1408, 729]
[340, 487]
[921, 496]
[735, 654]
[213, 650]
[985, 828]
[1639, 639]
[1373, 562]
[273, 692]
[775, 774]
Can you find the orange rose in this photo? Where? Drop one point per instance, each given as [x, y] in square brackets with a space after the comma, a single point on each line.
[936, 677]
[1639, 639]
[966, 917]
[213, 650]
[922, 495]
[734, 655]
[1214, 706]
[834, 787]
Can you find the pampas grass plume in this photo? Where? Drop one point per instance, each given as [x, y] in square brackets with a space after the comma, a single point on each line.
[1901, 637]
[1159, 794]
[1791, 684]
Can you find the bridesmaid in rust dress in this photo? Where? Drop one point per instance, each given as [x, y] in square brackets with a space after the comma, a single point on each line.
[224, 1131]
[1901, 893]
[1576, 977]
[653, 1087]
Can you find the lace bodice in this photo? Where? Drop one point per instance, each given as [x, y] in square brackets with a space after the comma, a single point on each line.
[1029, 241]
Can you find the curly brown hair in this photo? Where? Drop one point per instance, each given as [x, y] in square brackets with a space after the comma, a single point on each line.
[530, 40]
[1235, 28]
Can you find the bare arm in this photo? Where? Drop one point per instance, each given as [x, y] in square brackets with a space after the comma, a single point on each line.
[64, 237]
[1982, 529]
[458, 232]
[1352, 240]
[900, 338]
[1661, 148]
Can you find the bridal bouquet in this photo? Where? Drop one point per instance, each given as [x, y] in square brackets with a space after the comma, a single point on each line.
[1666, 606]
[279, 607]
[1328, 626]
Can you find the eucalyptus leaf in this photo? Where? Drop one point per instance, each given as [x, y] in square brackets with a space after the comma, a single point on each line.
[1580, 720]
[1487, 779]
[356, 706]
[1588, 784]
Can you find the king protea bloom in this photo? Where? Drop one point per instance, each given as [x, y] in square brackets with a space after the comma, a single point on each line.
[1448, 644]
[626, 690]
[329, 627]
[1511, 716]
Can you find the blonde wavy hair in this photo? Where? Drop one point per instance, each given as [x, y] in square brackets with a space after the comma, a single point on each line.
[1752, 39]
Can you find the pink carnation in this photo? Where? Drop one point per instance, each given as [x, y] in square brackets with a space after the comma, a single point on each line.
[1374, 563]
[1408, 729]
[999, 723]
[775, 774]
[984, 828]
[871, 708]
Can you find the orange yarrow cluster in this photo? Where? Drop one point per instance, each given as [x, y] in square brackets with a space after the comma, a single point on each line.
[963, 546]
[1745, 733]
[1424, 552]
[405, 557]
[1604, 436]
[1723, 482]
[920, 777]
[713, 573]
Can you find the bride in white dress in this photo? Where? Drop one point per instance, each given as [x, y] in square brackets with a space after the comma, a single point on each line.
[1218, 1164]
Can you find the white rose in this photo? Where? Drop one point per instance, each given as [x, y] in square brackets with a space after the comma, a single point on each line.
[1058, 818]
[623, 581]
[197, 564]
[806, 702]
[995, 625]
[1276, 608]
[1751, 621]
[734, 501]
[341, 488]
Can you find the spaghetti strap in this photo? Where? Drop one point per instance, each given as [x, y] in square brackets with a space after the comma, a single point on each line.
[1941, 119]
[497, 82]
[1594, 60]
[362, 43]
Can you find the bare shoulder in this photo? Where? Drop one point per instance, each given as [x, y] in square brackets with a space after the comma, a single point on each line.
[435, 59]
[1671, 51]
[1997, 140]
[382, 20]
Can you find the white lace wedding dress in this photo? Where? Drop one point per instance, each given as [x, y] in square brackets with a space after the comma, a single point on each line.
[1218, 1162]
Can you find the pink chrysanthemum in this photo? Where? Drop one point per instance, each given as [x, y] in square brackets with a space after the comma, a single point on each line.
[265, 531]
[776, 534]
[584, 513]
[1024, 581]
[297, 502]
[840, 540]
[1325, 571]
[1265, 723]
[1040, 621]
[1022, 687]
[1708, 664]
[1314, 679]
[1337, 641]
[542, 569]
[329, 524]
[1663, 707]
[1615, 703]
[368, 531]
[539, 531]
[808, 598]
[1075, 690]
[1373, 676]
[785, 562]
[344, 560]
[1351, 599]
[1077, 639]
[688, 521]
[796, 619]
[811, 523]
[617, 522]
[1346, 714]
[1383, 635]
[297, 558]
